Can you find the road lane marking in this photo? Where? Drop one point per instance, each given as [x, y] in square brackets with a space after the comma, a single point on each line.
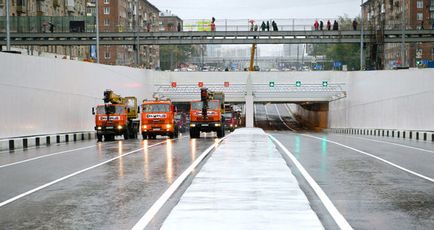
[391, 143]
[155, 208]
[334, 212]
[281, 119]
[44, 156]
[373, 156]
[72, 174]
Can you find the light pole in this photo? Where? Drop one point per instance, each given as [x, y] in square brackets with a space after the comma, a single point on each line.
[8, 23]
[361, 36]
[97, 29]
[403, 22]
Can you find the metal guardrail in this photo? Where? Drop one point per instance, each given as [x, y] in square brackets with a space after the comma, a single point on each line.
[262, 92]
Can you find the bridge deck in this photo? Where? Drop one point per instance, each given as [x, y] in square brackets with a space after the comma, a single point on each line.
[226, 37]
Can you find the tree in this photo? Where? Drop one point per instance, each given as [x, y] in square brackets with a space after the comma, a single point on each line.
[348, 54]
[171, 56]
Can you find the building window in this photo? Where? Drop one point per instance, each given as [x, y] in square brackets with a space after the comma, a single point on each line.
[419, 4]
[419, 16]
[432, 14]
[106, 10]
[106, 21]
[432, 51]
[107, 54]
[106, 1]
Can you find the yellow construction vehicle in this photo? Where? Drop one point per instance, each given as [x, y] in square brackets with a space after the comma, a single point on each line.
[118, 116]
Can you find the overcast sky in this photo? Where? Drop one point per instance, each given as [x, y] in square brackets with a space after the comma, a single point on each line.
[259, 9]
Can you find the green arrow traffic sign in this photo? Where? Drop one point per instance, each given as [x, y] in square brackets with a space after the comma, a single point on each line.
[271, 84]
[298, 83]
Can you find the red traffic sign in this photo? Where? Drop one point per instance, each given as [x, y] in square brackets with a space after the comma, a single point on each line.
[173, 84]
[226, 84]
[200, 84]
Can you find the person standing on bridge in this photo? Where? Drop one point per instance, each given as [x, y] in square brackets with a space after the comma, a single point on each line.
[179, 27]
[213, 24]
[268, 26]
[329, 25]
[355, 24]
[274, 24]
[316, 25]
[421, 25]
[321, 25]
[335, 25]
[263, 26]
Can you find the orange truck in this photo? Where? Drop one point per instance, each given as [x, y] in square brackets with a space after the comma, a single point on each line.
[206, 114]
[158, 118]
[117, 117]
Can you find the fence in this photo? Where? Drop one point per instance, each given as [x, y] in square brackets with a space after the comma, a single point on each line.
[41, 24]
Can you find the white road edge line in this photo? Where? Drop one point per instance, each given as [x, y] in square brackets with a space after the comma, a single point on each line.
[336, 215]
[71, 175]
[47, 155]
[373, 156]
[281, 119]
[391, 143]
[150, 214]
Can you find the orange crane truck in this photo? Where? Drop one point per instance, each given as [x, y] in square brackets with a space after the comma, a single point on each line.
[117, 117]
[206, 114]
[158, 118]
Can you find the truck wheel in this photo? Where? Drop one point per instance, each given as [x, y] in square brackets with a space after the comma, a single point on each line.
[99, 137]
[126, 135]
[221, 133]
[144, 136]
[193, 133]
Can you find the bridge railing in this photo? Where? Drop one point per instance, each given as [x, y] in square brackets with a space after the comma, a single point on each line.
[58, 24]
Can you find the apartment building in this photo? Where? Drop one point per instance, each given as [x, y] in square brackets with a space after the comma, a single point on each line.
[123, 16]
[392, 14]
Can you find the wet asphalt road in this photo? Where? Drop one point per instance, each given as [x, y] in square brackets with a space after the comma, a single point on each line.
[114, 195]
[368, 192]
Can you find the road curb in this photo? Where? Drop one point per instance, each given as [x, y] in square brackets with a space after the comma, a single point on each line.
[44, 140]
[392, 133]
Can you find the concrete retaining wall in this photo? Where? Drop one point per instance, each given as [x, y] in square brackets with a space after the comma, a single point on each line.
[390, 100]
[49, 96]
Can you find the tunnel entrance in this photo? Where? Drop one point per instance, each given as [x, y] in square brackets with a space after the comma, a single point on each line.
[305, 116]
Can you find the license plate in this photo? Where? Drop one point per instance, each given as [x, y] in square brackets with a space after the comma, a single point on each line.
[156, 129]
[109, 128]
[205, 125]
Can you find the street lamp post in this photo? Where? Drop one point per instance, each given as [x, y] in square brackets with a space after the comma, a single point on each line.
[361, 37]
[8, 23]
[403, 22]
[97, 29]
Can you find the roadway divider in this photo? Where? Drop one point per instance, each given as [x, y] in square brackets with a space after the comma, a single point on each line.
[392, 133]
[44, 140]
[245, 184]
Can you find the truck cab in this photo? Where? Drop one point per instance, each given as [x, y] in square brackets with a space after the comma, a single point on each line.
[111, 121]
[158, 118]
[230, 121]
[211, 122]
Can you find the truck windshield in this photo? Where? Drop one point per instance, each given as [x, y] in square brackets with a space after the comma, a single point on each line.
[110, 109]
[213, 105]
[150, 108]
[227, 115]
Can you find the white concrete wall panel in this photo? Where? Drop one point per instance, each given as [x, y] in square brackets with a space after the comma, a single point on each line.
[387, 100]
[42, 96]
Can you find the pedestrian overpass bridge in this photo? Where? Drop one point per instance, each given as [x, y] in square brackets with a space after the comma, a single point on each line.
[218, 37]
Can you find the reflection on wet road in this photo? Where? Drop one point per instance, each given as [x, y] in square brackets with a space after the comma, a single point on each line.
[370, 193]
[111, 196]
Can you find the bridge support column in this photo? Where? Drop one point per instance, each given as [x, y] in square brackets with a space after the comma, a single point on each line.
[249, 111]
[249, 103]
